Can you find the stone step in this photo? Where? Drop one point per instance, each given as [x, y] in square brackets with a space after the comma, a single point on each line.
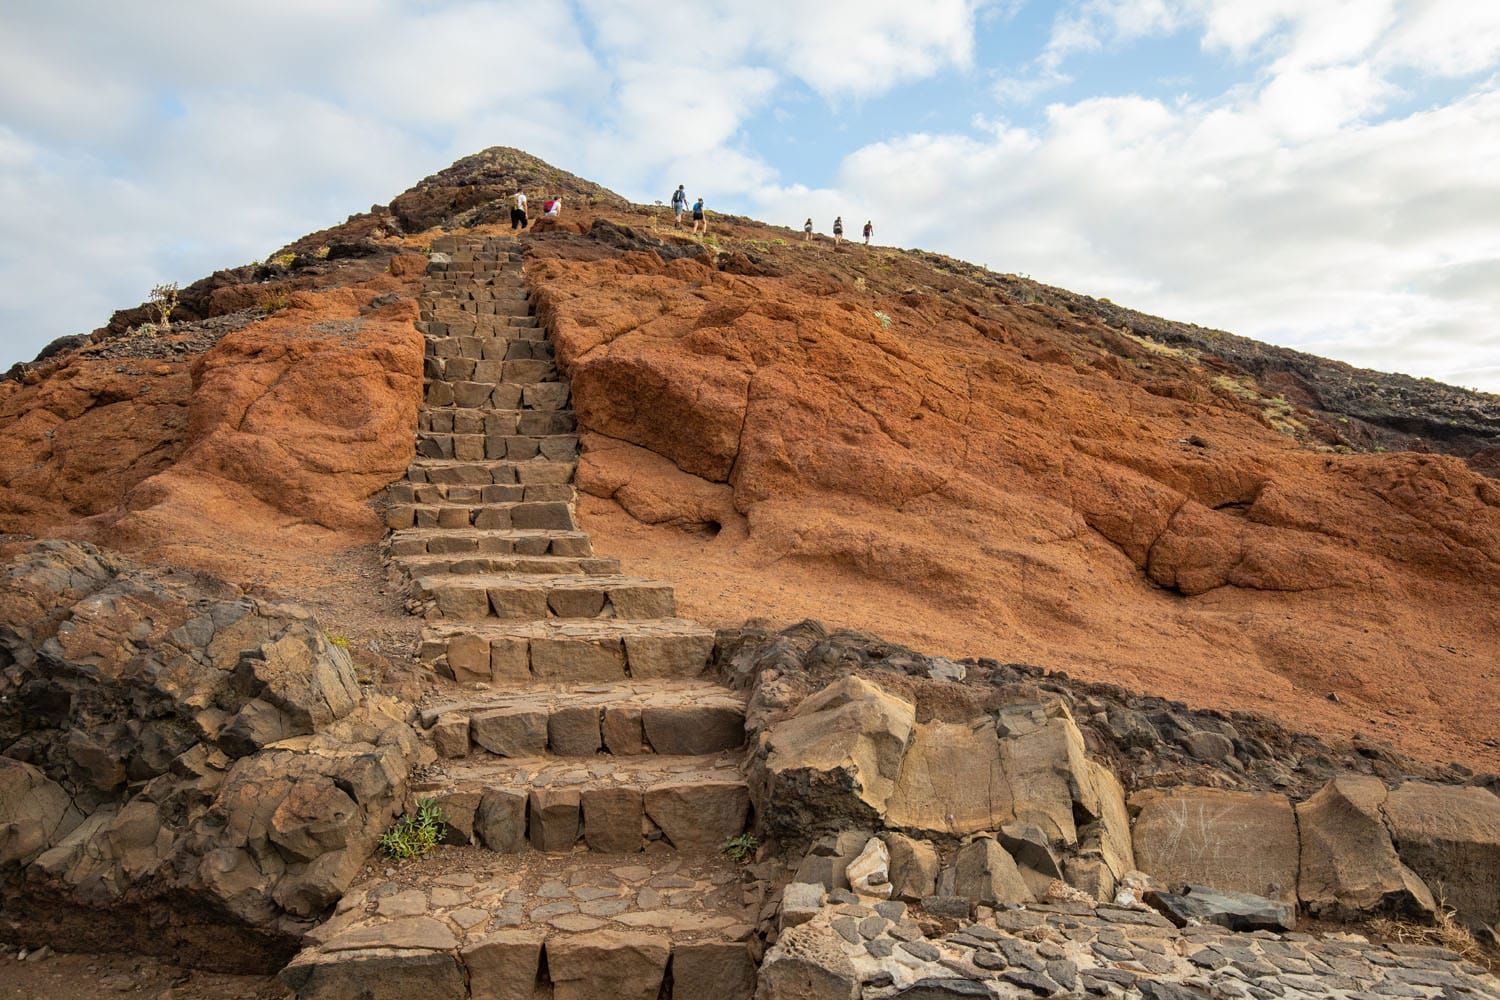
[474, 420]
[481, 395]
[493, 326]
[566, 650]
[483, 471]
[458, 310]
[625, 719]
[437, 493]
[468, 923]
[493, 349]
[476, 291]
[517, 448]
[548, 515]
[442, 312]
[412, 567]
[614, 805]
[517, 597]
[521, 349]
[456, 542]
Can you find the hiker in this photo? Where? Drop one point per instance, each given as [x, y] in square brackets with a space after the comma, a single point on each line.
[518, 211]
[869, 231]
[807, 231]
[838, 229]
[553, 208]
[679, 205]
[698, 219]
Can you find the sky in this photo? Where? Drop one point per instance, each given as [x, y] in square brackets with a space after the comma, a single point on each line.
[1320, 174]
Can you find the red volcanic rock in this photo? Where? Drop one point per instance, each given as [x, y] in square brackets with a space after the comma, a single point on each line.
[292, 421]
[910, 453]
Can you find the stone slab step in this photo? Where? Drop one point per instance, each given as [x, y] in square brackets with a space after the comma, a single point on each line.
[446, 542]
[493, 326]
[517, 597]
[517, 448]
[464, 922]
[487, 394]
[614, 805]
[575, 650]
[468, 370]
[625, 718]
[412, 567]
[548, 515]
[493, 349]
[478, 473]
[511, 422]
[437, 493]
[475, 291]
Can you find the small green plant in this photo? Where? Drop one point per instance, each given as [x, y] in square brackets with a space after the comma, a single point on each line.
[164, 300]
[274, 302]
[322, 252]
[334, 639]
[885, 321]
[284, 259]
[415, 833]
[742, 848]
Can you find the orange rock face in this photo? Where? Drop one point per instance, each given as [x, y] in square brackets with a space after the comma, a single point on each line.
[266, 445]
[855, 436]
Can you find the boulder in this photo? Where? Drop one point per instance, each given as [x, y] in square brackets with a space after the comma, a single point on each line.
[500, 820]
[985, 873]
[621, 965]
[1238, 911]
[1235, 841]
[835, 761]
[504, 965]
[35, 812]
[712, 970]
[376, 974]
[1349, 864]
[869, 874]
[554, 822]
[1450, 837]
[808, 963]
[201, 769]
[801, 902]
[698, 814]
[952, 780]
[915, 866]
[612, 818]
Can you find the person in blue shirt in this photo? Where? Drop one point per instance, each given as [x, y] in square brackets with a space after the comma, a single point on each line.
[698, 220]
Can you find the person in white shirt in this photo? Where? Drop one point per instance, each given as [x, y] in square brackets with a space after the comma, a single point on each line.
[518, 211]
[554, 207]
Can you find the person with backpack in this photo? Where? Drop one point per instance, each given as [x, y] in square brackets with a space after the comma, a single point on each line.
[553, 208]
[807, 231]
[679, 205]
[869, 231]
[698, 220]
[518, 210]
[838, 230]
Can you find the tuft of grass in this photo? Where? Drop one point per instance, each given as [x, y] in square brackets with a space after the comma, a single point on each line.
[1444, 932]
[321, 253]
[741, 849]
[334, 639]
[885, 321]
[274, 302]
[414, 834]
[283, 259]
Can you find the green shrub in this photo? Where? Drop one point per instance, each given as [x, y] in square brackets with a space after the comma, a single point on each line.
[885, 321]
[415, 833]
[742, 848]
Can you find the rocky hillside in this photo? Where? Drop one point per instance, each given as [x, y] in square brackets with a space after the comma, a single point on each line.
[884, 439]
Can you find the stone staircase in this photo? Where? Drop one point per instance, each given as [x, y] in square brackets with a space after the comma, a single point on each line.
[589, 774]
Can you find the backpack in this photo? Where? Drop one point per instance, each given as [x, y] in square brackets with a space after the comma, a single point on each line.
[550, 202]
